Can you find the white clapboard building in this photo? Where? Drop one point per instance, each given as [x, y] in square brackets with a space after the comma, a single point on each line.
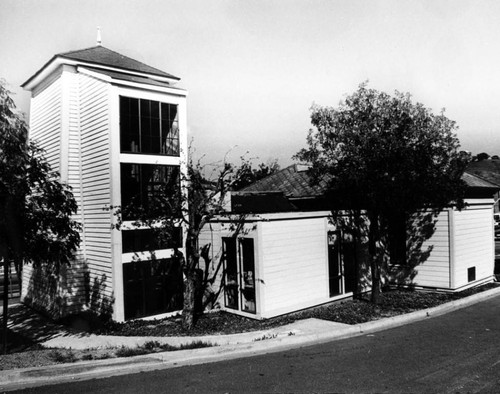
[113, 127]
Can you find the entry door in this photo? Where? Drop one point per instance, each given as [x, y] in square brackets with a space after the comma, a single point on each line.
[239, 270]
[341, 263]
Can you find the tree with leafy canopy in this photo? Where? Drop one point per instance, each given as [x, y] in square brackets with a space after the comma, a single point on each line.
[36, 222]
[190, 199]
[391, 158]
[246, 174]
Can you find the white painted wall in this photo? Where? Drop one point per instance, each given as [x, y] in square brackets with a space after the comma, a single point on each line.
[435, 271]
[294, 264]
[96, 178]
[474, 243]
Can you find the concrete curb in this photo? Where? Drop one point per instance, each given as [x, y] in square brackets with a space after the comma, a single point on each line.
[60, 373]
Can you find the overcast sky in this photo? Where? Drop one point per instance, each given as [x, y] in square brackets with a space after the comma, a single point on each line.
[254, 68]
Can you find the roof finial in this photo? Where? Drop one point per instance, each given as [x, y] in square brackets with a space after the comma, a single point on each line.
[99, 41]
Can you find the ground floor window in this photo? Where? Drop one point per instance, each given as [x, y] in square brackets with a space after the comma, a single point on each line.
[239, 274]
[152, 287]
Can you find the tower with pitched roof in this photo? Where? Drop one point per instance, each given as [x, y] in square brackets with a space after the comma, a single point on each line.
[111, 126]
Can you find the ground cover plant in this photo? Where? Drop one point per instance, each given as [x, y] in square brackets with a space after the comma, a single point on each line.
[393, 302]
[26, 352]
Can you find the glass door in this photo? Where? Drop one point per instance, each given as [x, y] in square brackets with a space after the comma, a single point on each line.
[341, 263]
[247, 269]
[239, 274]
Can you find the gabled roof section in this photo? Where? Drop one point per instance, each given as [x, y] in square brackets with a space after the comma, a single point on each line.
[100, 55]
[473, 180]
[292, 181]
[488, 169]
[103, 59]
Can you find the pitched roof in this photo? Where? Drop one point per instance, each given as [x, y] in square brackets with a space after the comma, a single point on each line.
[487, 169]
[472, 180]
[105, 61]
[294, 182]
[106, 57]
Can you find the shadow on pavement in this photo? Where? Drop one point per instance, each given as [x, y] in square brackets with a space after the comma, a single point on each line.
[27, 327]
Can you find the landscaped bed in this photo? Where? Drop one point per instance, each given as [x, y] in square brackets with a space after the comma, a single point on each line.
[25, 352]
[392, 303]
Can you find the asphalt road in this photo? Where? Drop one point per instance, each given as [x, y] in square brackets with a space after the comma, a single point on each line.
[454, 353]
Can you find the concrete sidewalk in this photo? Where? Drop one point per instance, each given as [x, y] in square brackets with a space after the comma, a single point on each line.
[298, 334]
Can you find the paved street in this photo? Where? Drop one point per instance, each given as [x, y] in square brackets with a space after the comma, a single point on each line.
[453, 353]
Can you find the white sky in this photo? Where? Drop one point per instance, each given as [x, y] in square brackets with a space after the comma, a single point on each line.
[253, 68]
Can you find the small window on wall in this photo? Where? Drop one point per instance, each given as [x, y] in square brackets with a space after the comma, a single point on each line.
[471, 274]
[149, 240]
[148, 126]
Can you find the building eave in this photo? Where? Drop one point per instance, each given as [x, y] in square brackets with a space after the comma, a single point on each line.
[59, 60]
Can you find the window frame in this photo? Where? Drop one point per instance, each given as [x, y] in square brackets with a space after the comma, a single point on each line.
[132, 124]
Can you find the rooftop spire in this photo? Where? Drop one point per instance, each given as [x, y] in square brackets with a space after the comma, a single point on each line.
[99, 41]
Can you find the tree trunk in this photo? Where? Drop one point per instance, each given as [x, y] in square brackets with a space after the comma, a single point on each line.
[188, 310]
[5, 303]
[373, 238]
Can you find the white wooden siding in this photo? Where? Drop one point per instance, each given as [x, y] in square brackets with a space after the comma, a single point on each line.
[474, 243]
[95, 178]
[294, 265]
[435, 271]
[45, 122]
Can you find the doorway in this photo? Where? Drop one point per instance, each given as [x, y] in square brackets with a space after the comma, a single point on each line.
[341, 263]
[239, 274]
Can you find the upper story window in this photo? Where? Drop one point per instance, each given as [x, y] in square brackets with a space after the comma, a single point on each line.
[148, 126]
[149, 191]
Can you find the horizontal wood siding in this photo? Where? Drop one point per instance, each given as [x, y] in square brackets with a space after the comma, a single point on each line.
[96, 181]
[45, 122]
[74, 275]
[435, 271]
[40, 290]
[294, 266]
[474, 243]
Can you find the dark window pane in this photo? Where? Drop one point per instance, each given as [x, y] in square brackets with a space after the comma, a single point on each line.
[248, 271]
[155, 109]
[129, 125]
[152, 287]
[170, 130]
[148, 190]
[130, 188]
[150, 240]
[231, 272]
[148, 127]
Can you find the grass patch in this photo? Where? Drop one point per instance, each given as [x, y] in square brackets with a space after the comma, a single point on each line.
[63, 356]
[155, 347]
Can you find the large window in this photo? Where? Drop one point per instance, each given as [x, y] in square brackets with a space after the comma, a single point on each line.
[152, 287]
[148, 126]
[149, 190]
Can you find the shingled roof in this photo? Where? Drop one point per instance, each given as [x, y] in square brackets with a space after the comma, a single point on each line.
[294, 182]
[486, 169]
[106, 57]
[105, 61]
